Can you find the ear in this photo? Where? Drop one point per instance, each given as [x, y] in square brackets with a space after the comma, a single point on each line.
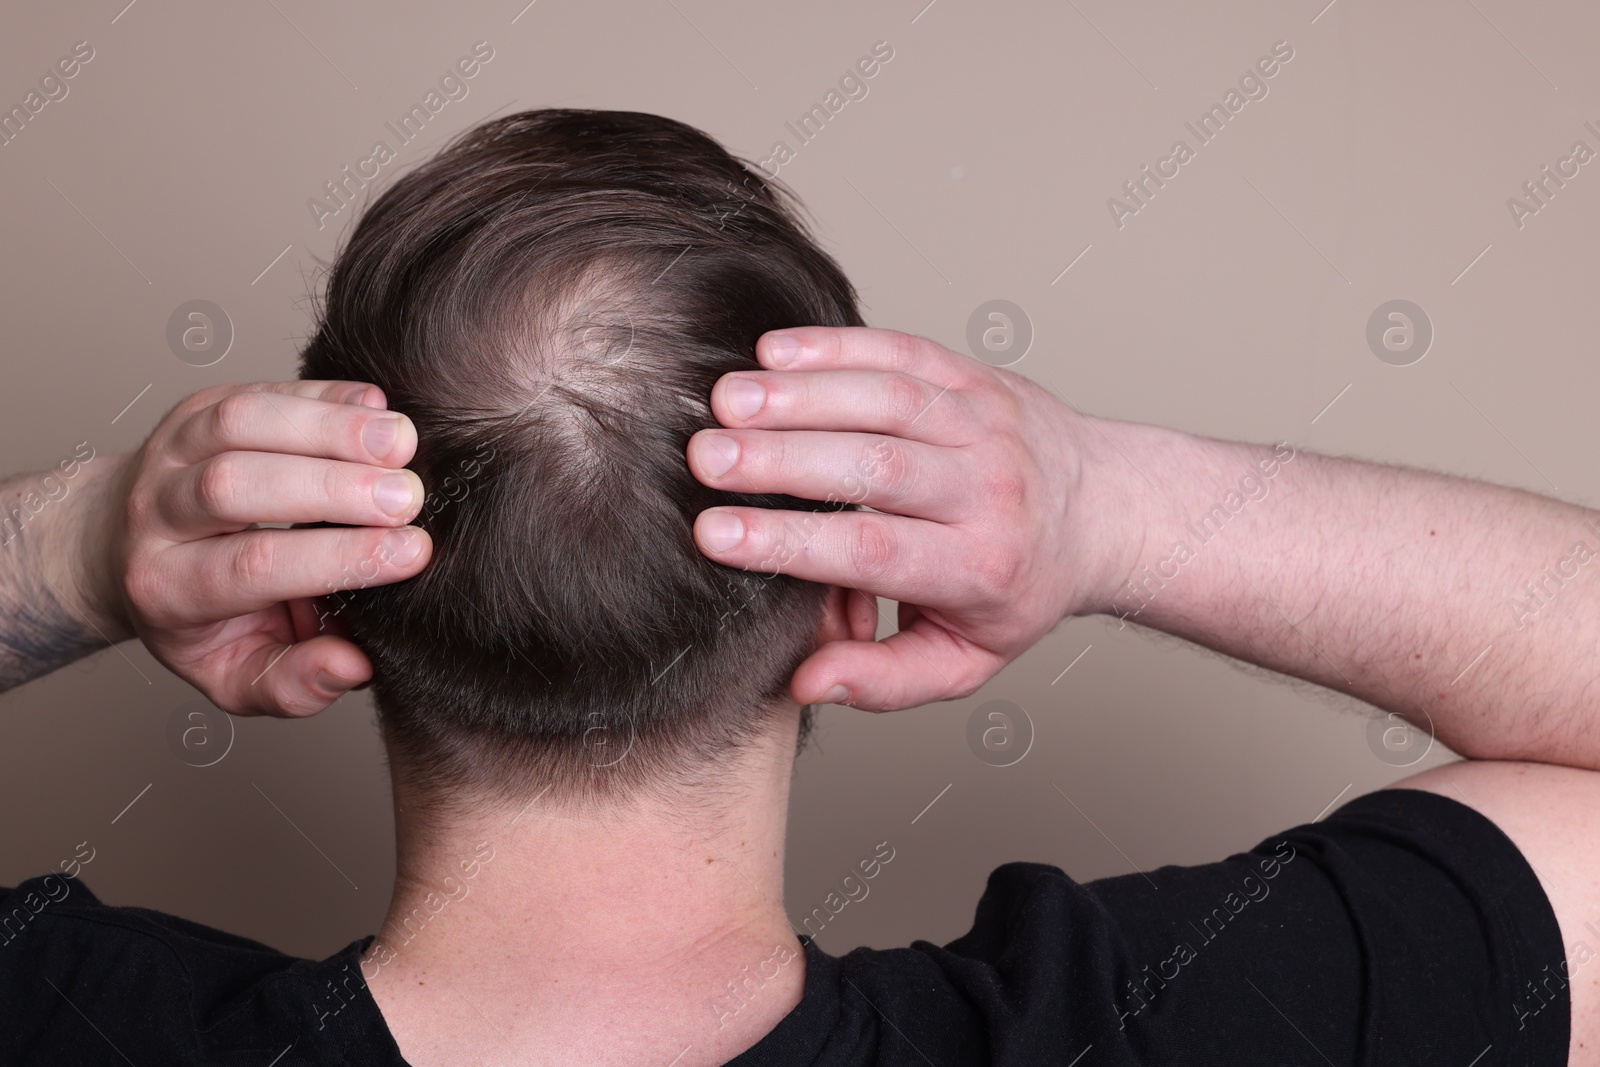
[848, 615]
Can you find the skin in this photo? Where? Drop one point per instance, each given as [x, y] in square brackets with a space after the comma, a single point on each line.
[161, 545]
[998, 511]
[586, 915]
[1008, 511]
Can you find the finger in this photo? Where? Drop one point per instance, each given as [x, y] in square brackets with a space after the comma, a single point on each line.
[366, 395]
[904, 477]
[295, 680]
[334, 391]
[322, 616]
[905, 670]
[262, 421]
[363, 394]
[864, 348]
[231, 491]
[861, 612]
[899, 405]
[882, 555]
[307, 621]
[317, 616]
[224, 577]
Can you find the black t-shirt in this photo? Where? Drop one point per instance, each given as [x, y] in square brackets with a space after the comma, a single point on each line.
[1404, 929]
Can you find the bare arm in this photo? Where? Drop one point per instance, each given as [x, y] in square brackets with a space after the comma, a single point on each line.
[50, 613]
[1469, 607]
[1552, 815]
[1003, 511]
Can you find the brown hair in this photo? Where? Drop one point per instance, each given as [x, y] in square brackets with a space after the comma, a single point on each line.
[550, 299]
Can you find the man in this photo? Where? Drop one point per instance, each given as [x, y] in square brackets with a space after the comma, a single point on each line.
[587, 719]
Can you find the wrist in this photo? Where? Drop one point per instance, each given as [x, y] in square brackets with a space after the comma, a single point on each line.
[1117, 505]
[84, 562]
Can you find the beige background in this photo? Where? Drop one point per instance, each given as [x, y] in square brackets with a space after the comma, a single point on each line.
[978, 166]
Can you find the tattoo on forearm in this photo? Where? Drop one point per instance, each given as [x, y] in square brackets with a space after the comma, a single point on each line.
[38, 633]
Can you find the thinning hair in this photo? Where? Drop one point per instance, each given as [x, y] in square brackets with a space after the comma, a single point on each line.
[550, 299]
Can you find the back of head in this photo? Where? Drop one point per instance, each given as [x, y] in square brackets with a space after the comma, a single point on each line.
[550, 300]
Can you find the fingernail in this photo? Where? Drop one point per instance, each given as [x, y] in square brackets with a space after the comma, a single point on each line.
[837, 695]
[332, 683]
[378, 436]
[744, 396]
[396, 494]
[718, 454]
[402, 546]
[721, 530]
[782, 348]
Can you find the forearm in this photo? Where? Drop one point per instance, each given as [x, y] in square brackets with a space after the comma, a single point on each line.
[1469, 606]
[53, 580]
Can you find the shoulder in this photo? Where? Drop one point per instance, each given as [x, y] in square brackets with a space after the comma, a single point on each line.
[1390, 908]
[157, 981]
[1032, 970]
[54, 907]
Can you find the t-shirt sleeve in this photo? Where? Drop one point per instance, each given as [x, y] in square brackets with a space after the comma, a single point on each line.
[1406, 928]
[84, 983]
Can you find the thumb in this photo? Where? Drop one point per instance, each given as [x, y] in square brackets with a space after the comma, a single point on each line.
[294, 680]
[918, 665]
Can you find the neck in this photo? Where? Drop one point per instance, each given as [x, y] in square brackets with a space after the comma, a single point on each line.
[651, 928]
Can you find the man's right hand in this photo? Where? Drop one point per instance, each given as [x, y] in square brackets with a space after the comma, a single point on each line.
[987, 526]
[1469, 609]
[176, 554]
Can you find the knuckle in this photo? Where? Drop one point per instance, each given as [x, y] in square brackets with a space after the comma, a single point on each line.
[141, 508]
[201, 399]
[231, 416]
[902, 400]
[996, 573]
[142, 585]
[889, 468]
[874, 549]
[767, 458]
[903, 350]
[1012, 394]
[250, 564]
[1012, 399]
[830, 343]
[1002, 487]
[335, 487]
[217, 486]
[341, 424]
